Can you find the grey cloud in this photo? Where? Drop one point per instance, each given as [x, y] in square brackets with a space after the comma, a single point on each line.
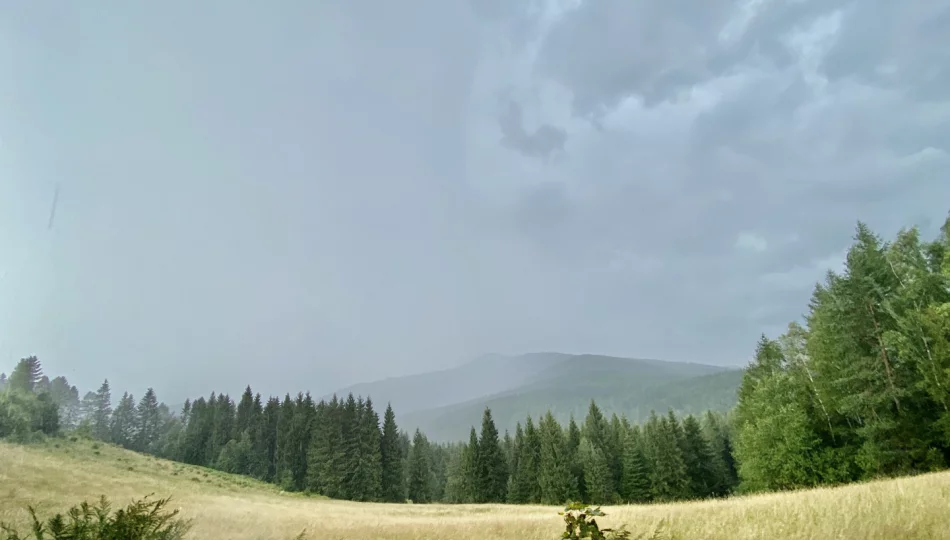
[312, 194]
[542, 142]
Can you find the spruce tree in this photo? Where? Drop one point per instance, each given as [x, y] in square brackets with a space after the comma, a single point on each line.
[513, 466]
[265, 443]
[597, 476]
[574, 458]
[26, 375]
[284, 452]
[492, 468]
[245, 409]
[102, 413]
[147, 421]
[635, 484]
[369, 473]
[698, 459]
[393, 487]
[419, 481]
[525, 488]
[124, 422]
[327, 455]
[469, 472]
[555, 477]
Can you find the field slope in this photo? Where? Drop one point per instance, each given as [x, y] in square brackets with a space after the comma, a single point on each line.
[56, 475]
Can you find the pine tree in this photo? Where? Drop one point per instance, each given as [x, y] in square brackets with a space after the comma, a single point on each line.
[698, 460]
[419, 481]
[124, 422]
[327, 455]
[245, 409]
[597, 476]
[102, 414]
[668, 478]
[574, 458]
[369, 475]
[284, 450]
[147, 422]
[393, 488]
[492, 468]
[525, 488]
[635, 483]
[555, 476]
[26, 375]
[469, 471]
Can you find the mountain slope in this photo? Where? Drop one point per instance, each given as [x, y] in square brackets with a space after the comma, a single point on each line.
[489, 374]
[624, 395]
[445, 404]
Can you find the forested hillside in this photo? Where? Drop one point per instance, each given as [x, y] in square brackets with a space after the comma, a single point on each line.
[858, 390]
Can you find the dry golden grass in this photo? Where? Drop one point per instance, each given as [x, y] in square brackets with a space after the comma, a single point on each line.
[54, 478]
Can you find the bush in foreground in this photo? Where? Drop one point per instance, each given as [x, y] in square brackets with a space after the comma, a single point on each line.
[141, 520]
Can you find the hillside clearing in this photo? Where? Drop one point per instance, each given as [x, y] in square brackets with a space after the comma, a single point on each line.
[59, 474]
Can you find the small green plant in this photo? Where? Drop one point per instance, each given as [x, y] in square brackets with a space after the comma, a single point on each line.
[141, 520]
[580, 524]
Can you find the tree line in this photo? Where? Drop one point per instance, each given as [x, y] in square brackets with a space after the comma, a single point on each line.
[341, 448]
[860, 390]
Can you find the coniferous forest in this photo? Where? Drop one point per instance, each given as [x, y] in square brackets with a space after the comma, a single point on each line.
[859, 389]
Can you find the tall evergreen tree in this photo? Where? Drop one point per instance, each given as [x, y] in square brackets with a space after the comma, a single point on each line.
[102, 414]
[245, 409]
[469, 471]
[124, 422]
[492, 468]
[147, 422]
[635, 482]
[419, 481]
[525, 487]
[26, 375]
[393, 487]
[555, 476]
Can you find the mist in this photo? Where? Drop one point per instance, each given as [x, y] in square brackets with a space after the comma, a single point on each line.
[307, 195]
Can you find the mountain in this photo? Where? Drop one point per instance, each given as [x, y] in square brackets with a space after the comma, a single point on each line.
[486, 375]
[445, 404]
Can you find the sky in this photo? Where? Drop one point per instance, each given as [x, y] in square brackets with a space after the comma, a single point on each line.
[301, 195]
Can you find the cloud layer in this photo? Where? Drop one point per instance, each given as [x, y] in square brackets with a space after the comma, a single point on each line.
[306, 195]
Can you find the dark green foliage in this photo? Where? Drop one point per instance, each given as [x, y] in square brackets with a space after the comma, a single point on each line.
[26, 375]
[492, 469]
[635, 482]
[581, 523]
[122, 429]
[419, 468]
[554, 470]
[148, 422]
[524, 487]
[140, 520]
[392, 479]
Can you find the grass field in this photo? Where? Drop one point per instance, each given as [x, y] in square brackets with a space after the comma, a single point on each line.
[57, 475]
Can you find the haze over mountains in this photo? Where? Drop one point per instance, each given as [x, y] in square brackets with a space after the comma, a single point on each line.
[446, 403]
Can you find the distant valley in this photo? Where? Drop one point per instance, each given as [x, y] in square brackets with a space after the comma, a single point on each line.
[445, 404]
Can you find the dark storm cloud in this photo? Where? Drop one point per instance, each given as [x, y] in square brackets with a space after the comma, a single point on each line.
[542, 142]
[309, 194]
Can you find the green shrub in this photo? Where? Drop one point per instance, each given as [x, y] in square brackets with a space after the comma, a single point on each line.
[141, 520]
[581, 525]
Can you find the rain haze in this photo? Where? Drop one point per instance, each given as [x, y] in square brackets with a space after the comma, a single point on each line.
[305, 195]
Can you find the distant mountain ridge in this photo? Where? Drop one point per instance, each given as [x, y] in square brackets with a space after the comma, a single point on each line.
[445, 404]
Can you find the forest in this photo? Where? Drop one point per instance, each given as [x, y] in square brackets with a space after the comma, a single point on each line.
[859, 389]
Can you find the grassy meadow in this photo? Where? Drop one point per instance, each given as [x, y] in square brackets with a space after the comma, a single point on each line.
[58, 474]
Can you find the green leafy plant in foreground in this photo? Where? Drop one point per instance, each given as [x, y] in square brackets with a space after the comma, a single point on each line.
[581, 525]
[140, 520]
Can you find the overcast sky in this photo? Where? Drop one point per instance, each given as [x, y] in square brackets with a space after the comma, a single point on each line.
[305, 194]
